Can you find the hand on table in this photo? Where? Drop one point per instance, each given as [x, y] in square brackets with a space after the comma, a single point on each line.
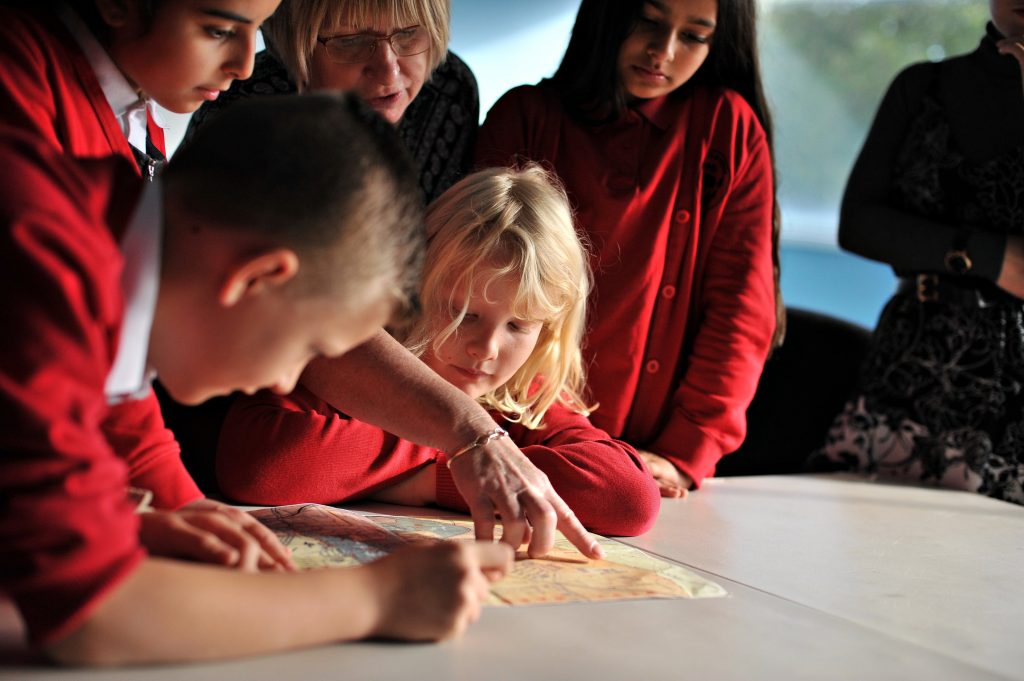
[672, 482]
[498, 478]
[211, 532]
[1014, 47]
[435, 592]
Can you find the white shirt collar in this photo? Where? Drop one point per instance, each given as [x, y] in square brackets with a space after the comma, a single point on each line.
[130, 375]
[128, 105]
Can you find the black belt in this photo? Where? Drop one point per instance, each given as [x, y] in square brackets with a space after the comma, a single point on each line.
[964, 291]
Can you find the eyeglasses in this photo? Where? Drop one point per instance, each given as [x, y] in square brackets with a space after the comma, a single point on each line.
[359, 47]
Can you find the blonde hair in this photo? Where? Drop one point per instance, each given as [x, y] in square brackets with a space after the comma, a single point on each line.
[292, 30]
[516, 223]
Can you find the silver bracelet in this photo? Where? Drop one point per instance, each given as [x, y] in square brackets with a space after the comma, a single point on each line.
[494, 434]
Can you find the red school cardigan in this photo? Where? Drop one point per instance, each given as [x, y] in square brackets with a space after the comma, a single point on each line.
[676, 200]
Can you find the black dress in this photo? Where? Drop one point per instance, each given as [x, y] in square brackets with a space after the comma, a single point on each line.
[439, 127]
[941, 392]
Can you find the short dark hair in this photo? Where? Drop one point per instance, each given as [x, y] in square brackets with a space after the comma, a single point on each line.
[588, 80]
[320, 173]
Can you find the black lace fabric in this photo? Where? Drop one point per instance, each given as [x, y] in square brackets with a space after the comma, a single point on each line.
[439, 127]
[941, 395]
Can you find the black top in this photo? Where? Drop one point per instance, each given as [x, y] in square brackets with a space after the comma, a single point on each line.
[942, 166]
[439, 127]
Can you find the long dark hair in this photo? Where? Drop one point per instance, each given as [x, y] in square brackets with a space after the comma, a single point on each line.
[588, 80]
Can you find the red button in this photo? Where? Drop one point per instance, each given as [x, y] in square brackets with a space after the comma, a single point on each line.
[682, 216]
[653, 366]
[668, 292]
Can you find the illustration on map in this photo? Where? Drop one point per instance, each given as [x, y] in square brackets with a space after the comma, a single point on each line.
[322, 536]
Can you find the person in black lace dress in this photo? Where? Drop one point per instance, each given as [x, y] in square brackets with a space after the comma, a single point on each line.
[938, 193]
[427, 91]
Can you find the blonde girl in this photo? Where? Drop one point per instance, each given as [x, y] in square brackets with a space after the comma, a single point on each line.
[504, 299]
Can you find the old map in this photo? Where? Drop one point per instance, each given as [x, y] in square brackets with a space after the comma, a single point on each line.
[321, 536]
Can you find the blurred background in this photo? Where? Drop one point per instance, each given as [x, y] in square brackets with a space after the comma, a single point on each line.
[826, 65]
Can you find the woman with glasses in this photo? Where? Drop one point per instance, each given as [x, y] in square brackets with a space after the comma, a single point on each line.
[377, 48]
[394, 55]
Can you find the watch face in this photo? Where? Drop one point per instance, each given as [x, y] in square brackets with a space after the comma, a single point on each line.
[958, 262]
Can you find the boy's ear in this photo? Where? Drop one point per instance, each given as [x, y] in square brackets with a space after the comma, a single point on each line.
[259, 275]
[115, 13]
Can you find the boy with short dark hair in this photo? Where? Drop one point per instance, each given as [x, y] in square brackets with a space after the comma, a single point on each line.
[83, 76]
[243, 299]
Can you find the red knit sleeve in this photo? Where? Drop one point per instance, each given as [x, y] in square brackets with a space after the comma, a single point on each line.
[737, 306]
[26, 100]
[67, 532]
[291, 449]
[602, 480]
[136, 431]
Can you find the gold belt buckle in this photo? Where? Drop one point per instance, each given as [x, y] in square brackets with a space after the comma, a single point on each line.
[928, 288]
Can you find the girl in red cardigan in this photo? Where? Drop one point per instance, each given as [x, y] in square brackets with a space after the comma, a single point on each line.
[656, 123]
[504, 298]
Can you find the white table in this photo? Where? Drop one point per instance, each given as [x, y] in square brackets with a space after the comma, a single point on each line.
[829, 578]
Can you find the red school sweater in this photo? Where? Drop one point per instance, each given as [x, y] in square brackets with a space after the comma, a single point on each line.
[297, 448]
[68, 534]
[49, 90]
[676, 199]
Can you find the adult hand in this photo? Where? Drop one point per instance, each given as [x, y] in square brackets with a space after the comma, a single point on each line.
[1014, 47]
[498, 478]
[672, 482]
[434, 592]
[1011, 276]
[212, 532]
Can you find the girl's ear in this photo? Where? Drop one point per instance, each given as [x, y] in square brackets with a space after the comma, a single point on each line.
[259, 275]
[116, 13]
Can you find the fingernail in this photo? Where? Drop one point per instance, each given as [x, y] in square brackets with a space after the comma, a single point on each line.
[596, 549]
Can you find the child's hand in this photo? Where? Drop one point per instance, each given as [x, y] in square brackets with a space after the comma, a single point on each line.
[672, 482]
[434, 592]
[211, 532]
[419, 489]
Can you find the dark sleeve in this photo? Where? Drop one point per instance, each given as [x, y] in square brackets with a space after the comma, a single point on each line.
[269, 77]
[603, 480]
[871, 225]
[440, 126]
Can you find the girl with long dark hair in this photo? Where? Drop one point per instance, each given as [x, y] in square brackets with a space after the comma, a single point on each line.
[656, 122]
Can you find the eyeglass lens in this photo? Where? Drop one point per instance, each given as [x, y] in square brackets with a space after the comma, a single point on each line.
[359, 47]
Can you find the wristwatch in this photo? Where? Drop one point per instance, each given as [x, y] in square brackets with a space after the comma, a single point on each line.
[956, 259]
[958, 262]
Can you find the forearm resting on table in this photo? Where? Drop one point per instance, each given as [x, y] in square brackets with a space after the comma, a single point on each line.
[173, 611]
[382, 383]
[167, 611]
